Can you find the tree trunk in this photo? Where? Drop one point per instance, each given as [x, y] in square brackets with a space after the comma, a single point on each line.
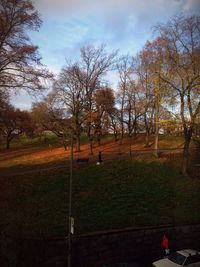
[135, 128]
[147, 138]
[78, 144]
[156, 141]
[8, 143]
[116, 136]
[122, 131]
[147, 131]
[90, 137]
[122, 136]
[91, 146]
[130, 145]
[186, 156]
[152, 121]
[99, 140]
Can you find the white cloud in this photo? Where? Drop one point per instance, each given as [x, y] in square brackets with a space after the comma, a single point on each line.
[118, 17]
[123, 24]
[112, 7]
[192, 6]
[21, 100]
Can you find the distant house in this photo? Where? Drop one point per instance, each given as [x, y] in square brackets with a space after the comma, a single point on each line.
[48, 133]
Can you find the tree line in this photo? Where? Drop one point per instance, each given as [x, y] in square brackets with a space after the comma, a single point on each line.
[159, 88]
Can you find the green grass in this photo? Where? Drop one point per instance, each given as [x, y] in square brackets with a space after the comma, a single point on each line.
[25, 141]
[110, 196]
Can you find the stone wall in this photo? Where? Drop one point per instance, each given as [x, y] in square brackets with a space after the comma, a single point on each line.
[131, 244]
[97, 249]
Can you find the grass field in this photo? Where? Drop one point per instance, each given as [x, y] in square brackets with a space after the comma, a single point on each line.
[120, 193]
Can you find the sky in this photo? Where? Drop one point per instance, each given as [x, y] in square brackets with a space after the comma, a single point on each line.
[119, 24]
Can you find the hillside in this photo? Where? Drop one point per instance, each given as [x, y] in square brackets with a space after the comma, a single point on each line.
[25, 157]
[122, 192]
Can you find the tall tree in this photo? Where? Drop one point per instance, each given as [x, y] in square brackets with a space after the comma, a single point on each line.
[104, 105]
[181, 70]
[14, 122]
[20, 65]
[48, 116]
[143, 73]
[77, 84]
[154, 51]
[129, 98]
[69, 92]
[4, 100]
[125, 71]
[94, 64]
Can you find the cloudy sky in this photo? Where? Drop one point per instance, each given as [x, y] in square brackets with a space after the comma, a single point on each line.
[120, 24]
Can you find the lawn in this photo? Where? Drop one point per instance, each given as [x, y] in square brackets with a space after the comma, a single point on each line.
[117, 194]
[120, 193]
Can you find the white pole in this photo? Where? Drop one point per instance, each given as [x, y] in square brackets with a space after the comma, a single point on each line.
[70, 202]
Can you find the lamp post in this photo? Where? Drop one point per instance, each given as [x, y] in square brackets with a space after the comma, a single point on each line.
[157, 103]
[70, 219]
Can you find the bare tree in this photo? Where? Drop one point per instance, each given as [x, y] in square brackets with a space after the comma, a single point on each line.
[115, 122]
[158, 92]
[125, 71]
[69, 92]
[20, 65]
[143, 73]
[48, 116]
[4, 100]
[181, 70]
[104, 105]
[129, 98]
[14, 122]
[94, 64]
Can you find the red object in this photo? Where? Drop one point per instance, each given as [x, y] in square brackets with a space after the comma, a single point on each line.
[165, 242]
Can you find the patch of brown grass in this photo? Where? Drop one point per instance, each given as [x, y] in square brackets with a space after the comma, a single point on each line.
[36, 158]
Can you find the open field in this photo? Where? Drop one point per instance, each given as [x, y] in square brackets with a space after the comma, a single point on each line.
[26, 157]
[120, 193]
